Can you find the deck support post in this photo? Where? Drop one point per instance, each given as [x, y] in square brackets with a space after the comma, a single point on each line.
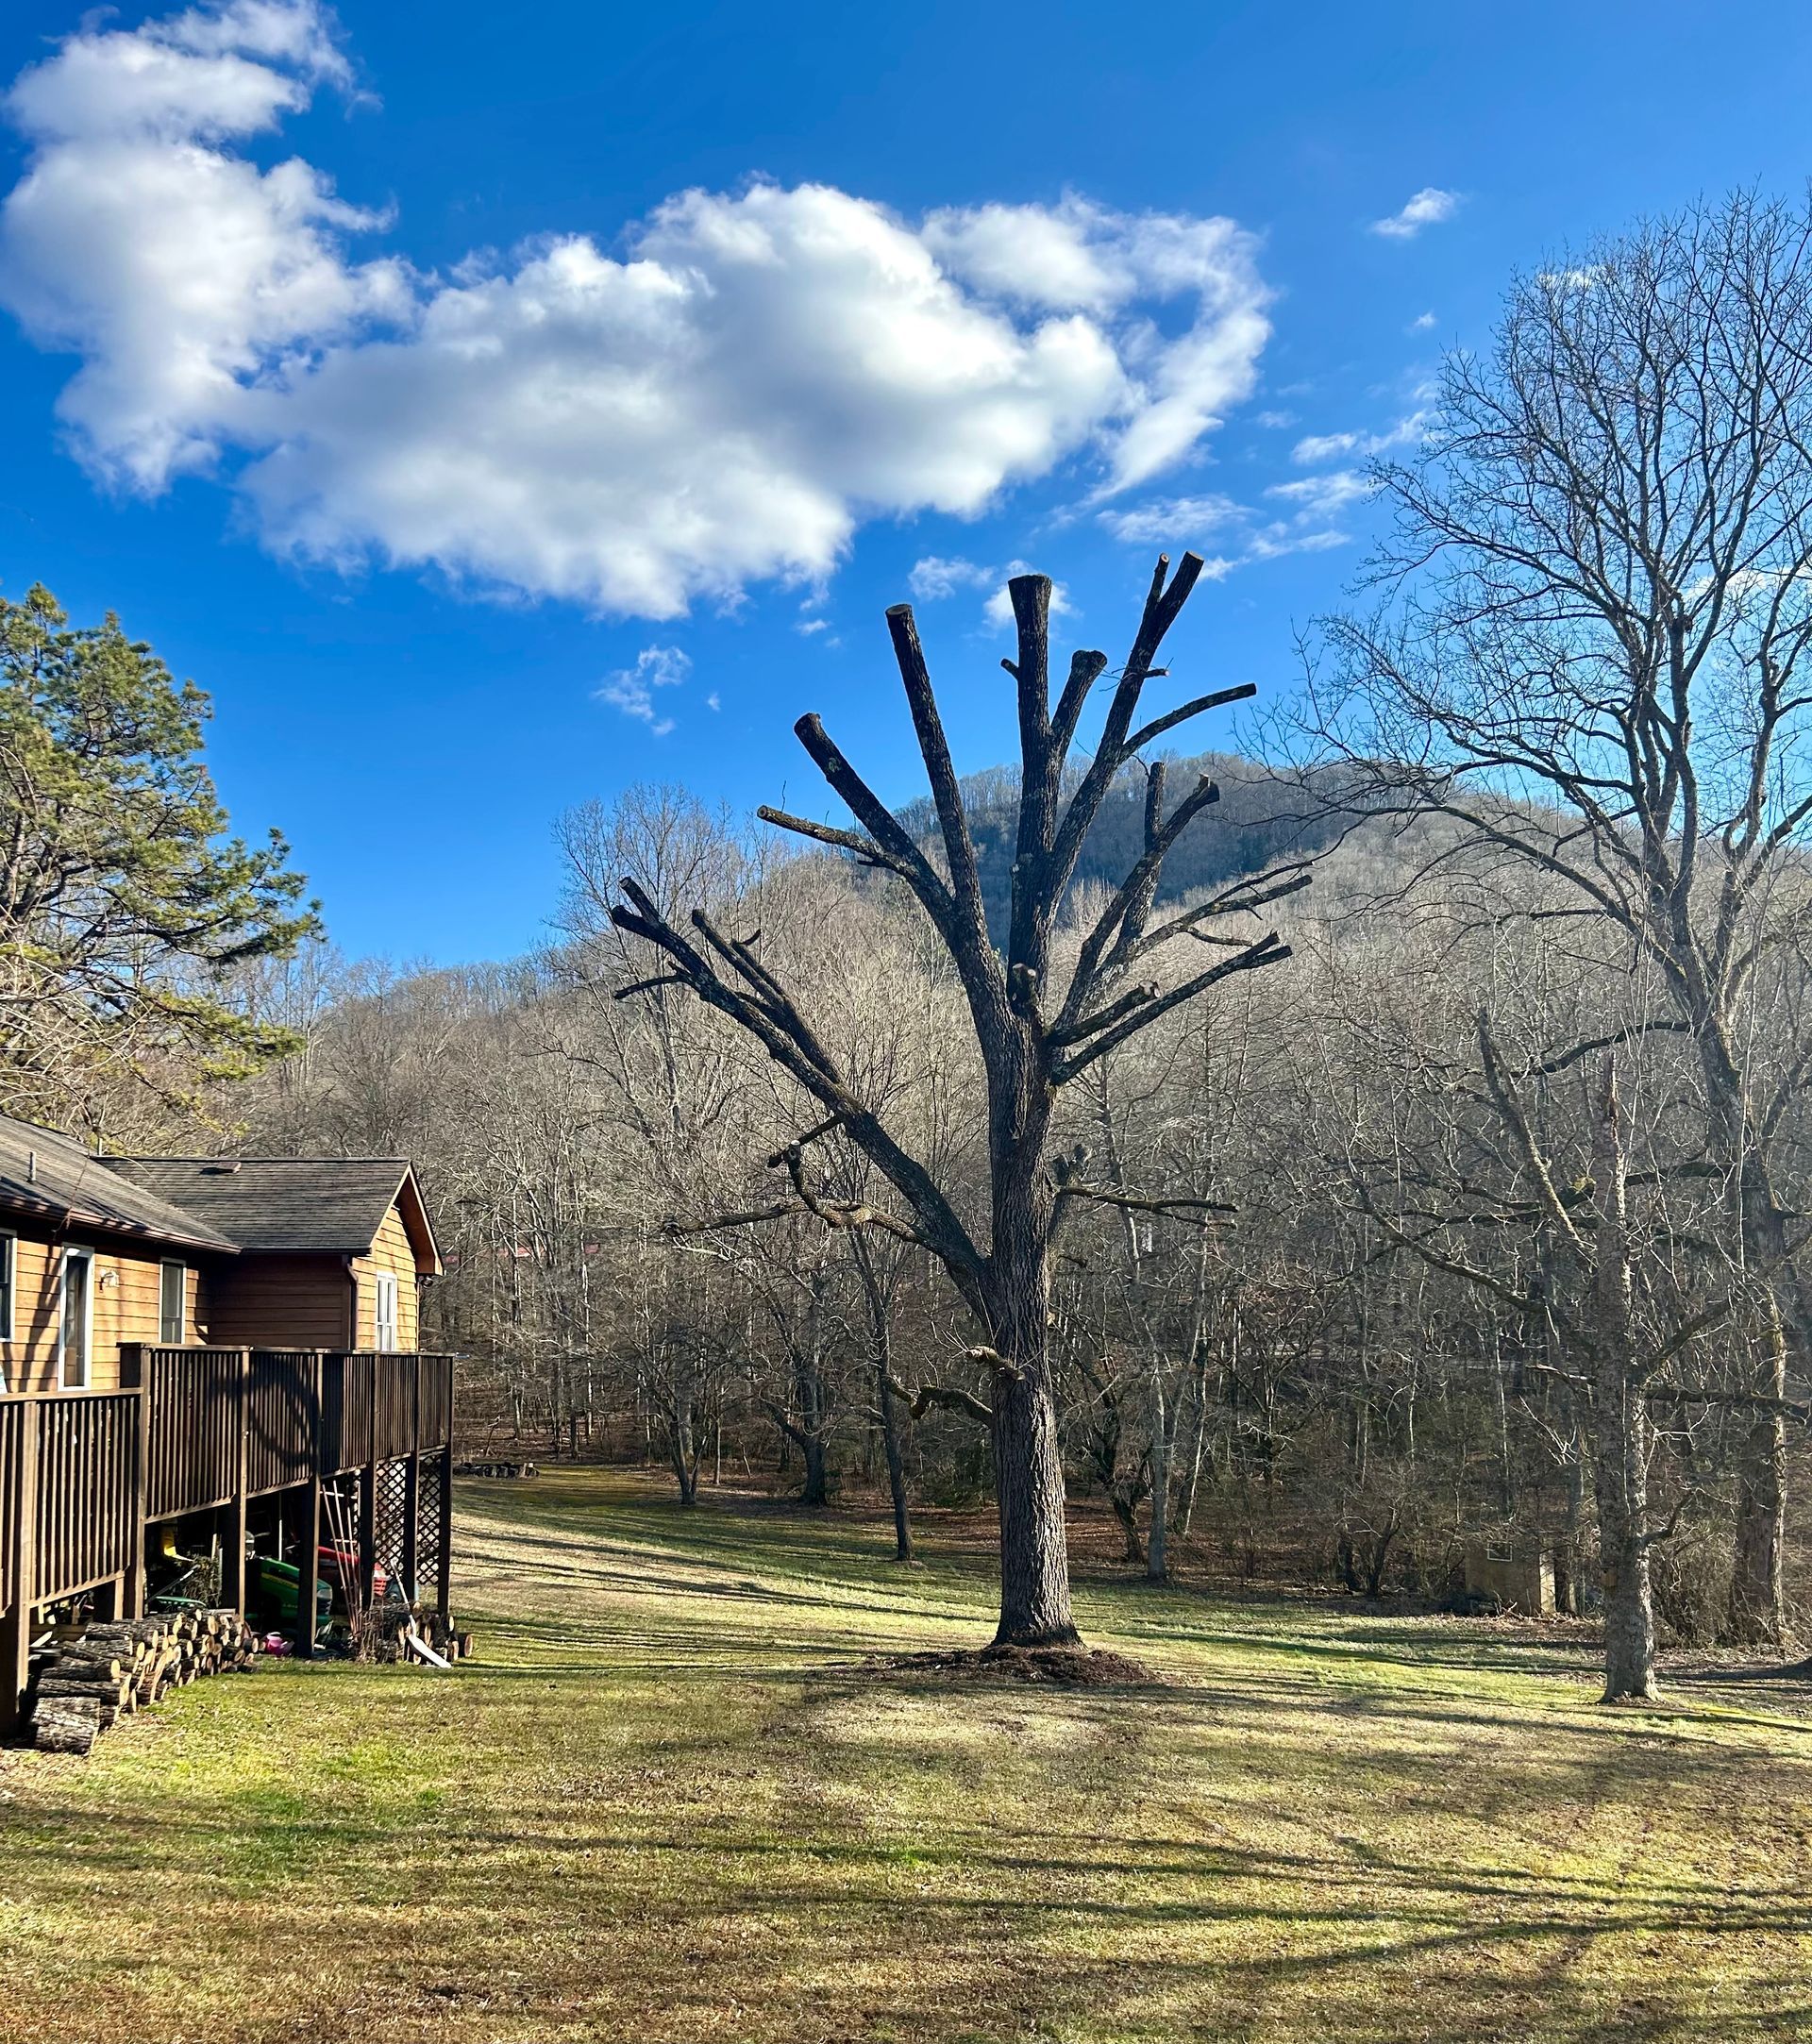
[15, 1627]
[136, 1371]
[232, 1518]
[308, 1561]
[368, 1501]
[412, 1557]
[444, 1588]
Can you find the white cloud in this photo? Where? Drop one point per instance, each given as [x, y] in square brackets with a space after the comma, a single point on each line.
[1333, 446]
[935, 578]
[1312, 503]
[182, 274]
[1422, 322]
[1178, 521]
[1275, 421]
[1080, 258]
[1271, 541]
[631, 689]
[205, 74]
[1428, 208]
[725, 401]
[1321, 496]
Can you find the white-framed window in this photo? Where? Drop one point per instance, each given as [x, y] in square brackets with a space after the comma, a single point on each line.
[75, 1320]
[173, 1304]
[8, 1285]
[383, 1308]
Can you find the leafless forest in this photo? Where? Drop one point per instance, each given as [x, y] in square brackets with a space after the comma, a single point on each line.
[1478, 1213]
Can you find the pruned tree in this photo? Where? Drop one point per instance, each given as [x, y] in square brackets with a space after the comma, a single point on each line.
[1034, 1035]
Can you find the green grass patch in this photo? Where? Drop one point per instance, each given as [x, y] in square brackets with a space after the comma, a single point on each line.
[667, 1806]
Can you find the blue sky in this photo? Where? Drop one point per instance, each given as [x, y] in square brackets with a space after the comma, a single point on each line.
[380, 369]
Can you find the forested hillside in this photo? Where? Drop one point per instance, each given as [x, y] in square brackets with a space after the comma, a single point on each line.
[1362, 1359]
[1263, 817]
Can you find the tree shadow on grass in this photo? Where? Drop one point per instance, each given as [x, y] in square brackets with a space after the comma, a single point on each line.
[1238, 1933]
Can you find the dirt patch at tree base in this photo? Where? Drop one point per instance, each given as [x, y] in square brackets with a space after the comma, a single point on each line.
[1067, 1667]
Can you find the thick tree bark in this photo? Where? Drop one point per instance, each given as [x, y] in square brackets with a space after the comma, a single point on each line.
[1034, 1543]
[1622, 1537]
[1028, 1456]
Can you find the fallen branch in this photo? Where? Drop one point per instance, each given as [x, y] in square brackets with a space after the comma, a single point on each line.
[951, 1397]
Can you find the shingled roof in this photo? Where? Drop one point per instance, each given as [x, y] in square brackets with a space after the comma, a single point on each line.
[320, 1205]
[44, 1173]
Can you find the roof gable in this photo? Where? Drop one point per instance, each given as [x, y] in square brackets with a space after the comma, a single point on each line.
[321, 1205]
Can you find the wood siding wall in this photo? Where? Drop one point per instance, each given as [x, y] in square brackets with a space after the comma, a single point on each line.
[250, 1301]
[279, 1302]
[391, 1252]
[125, 1306]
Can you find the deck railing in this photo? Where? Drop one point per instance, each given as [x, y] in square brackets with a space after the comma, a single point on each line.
[197, 1421]
[87, 1472]
[68, 1491]
[287, 1411]
[84, 1473]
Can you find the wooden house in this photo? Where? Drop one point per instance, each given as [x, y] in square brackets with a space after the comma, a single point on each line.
[196, 1350]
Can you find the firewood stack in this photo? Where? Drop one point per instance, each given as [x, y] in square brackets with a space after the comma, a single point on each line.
[445, 1639]
[395, 1631]
[82, 1687]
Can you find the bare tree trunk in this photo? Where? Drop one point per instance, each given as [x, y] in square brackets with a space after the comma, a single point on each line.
[1756, 1612]
[1028, 1459]
[1566, 1596]
[816, 1490]
[680, 1452]
[1622, 1422]
[1198, 1438]
[895, 1463]
[875, 1296]
[1154, 1553]
[1125, 1510]
[1758, 1608]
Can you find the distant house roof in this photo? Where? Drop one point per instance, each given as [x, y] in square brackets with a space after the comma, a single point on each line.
[42, 1172]
[321, 1205]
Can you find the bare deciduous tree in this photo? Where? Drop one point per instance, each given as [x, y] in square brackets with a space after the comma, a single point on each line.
[1594, 661]
[1032, 1037]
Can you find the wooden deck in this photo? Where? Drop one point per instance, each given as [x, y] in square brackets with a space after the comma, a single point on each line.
[84, 1475]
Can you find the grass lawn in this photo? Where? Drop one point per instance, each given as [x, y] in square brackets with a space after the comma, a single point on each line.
[662, 1806]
